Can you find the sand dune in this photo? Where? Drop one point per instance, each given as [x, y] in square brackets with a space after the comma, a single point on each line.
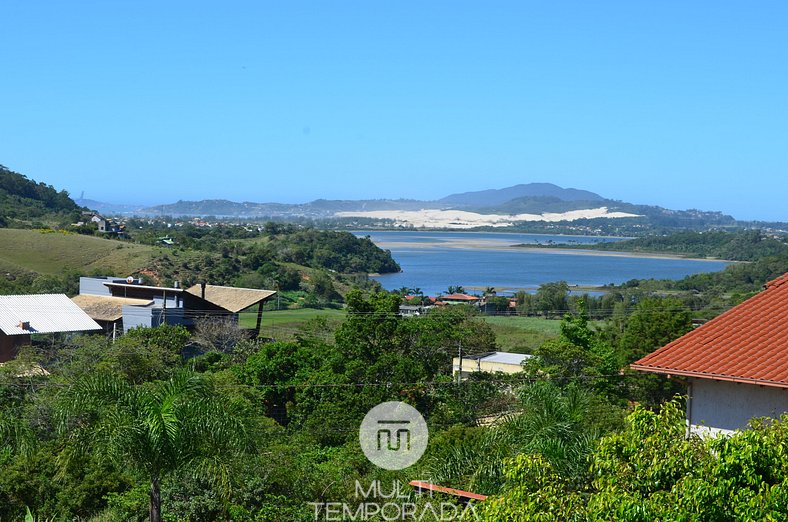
[435, 218]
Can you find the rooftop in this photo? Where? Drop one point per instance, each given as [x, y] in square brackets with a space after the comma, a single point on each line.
[459, 297]
[106, 308]
[231, 298]
[44, 313]
[748, 343]
[499, 357]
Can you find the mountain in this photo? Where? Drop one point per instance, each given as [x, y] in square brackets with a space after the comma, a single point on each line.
[108, 208]
[493, 197]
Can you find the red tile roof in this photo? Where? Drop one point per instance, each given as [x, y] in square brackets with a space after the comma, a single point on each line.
[459, 297]
[748, 343]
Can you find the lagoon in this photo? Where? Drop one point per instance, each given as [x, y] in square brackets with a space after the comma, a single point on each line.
[432, 261]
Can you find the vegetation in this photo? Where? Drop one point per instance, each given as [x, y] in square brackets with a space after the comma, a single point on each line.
[25, 203]
[747, 245]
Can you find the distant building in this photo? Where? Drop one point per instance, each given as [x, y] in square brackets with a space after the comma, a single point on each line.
[490, 362]
[459, 299]
[24, 315]
[414, 310]
[735, 365]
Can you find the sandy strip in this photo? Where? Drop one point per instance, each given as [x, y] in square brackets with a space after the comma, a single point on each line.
[461, 219]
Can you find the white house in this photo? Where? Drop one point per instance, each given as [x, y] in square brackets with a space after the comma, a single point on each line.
[490, 362]
[736, 365]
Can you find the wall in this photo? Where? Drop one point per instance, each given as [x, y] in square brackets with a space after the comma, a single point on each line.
[9, 345]
[726, 405]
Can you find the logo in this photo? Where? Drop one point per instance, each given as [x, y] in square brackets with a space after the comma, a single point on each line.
[393, 435]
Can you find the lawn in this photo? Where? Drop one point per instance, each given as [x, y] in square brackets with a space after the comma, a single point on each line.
[522, 334]
[285, 324]
[54, 253]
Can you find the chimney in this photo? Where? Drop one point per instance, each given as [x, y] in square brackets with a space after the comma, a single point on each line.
[202, 288]
[177, 284]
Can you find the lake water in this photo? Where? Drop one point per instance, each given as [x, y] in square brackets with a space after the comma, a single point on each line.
[475, 260]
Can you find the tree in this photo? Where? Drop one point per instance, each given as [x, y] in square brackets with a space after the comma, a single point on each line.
[551, 298]
[654, 323]
[653, 471]
[156, 430]
[217, 334]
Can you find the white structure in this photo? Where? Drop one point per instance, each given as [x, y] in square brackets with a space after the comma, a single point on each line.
[735, 366]
[24, 315]
[490, 362]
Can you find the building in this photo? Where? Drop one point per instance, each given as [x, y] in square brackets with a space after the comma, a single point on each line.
[735, 365]
[490, 362]
[122, 304]
[459, 299]
[24, 315]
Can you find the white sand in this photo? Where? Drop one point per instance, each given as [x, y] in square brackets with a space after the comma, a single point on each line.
[435, 218]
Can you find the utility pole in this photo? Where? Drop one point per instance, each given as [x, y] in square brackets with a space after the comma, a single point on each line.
[459, 371]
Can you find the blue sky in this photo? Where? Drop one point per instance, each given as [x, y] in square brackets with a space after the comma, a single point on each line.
[680, 104]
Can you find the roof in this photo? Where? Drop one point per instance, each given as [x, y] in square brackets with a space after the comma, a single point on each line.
[106, 308]
[459, 297]
[44, 313]
[421, 485]
[231, 298]
[144, 287]
[499, 357]
[748, 343]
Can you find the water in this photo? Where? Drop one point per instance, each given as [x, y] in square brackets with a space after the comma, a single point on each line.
[432, 261]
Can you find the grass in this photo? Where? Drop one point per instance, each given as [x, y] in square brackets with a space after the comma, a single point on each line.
[285, 324]
[522, 334]
[54, 253]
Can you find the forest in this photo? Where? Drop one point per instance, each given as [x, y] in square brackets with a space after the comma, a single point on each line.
[172, 422]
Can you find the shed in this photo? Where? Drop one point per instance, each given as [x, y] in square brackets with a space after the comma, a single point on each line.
[24, 315]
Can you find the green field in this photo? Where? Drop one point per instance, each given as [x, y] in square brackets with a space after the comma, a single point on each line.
[285, 324]
[522, 334]
[54, 253]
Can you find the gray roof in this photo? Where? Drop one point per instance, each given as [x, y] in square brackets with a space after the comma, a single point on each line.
[44, 313]
[501, 357]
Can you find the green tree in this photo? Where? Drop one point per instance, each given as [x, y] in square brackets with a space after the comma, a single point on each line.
[551, 298]
[157, 429]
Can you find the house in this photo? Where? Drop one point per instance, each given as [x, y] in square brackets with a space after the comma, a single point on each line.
[123, 304]
[413, 310]
[459, 299]
[490, 362]
[24, 315]
[735, 365]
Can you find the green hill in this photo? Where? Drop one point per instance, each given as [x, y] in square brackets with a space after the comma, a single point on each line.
[25, 203]
[53, 253]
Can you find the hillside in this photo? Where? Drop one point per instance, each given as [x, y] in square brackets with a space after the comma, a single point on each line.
[23, 202]
[53, 253]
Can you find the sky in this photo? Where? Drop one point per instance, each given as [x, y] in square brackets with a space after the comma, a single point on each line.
[672, 103]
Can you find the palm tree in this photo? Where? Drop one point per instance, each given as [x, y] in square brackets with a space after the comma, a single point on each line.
[156, 429]
[554, 422]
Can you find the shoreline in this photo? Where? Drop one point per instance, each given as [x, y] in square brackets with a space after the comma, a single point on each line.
[470, 244]
[619, 253]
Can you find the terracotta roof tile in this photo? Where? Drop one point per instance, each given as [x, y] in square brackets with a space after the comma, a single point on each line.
[748, 343]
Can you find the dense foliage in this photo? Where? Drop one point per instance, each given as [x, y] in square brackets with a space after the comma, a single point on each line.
[748, 245]
[23, 201]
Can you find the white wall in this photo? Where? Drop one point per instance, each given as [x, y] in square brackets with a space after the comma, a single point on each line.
[728, 405]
